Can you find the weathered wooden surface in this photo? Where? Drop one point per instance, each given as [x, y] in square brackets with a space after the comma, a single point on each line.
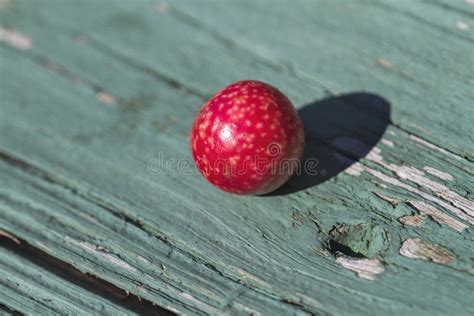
[93, 93]
[36, 283]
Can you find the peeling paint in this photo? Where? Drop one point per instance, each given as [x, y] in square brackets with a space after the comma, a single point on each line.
[415, 248]
[4, 4]
[387, 142]
[429, 197]
[437, 215]
[417, 176]
[105, 97]
[15, 38]
[438, 173]
[463, 26]
[412, 220]
[463, 207]
[384, 63]
[374, 155]
[355, 169]
[386, 198]
[365, 268]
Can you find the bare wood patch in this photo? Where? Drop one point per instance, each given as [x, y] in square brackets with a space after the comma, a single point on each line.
[387, 142]
[355, 169]
[437, 215]
[438, 173]
[364, 268]
[388, 199]
[393, 181]
[415, 248]
[384, 63]
[16, 39]
[463, 26]
[418, 177]
[4, 4]
[412, 220]
[105, 97]
[458, 205]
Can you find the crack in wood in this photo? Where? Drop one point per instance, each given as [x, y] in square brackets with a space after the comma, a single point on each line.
[88, 282]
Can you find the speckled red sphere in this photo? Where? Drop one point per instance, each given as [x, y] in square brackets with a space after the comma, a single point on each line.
[248, 138]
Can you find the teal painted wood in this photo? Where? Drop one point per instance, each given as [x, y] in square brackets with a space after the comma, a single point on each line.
[95, 95]
[29, 288]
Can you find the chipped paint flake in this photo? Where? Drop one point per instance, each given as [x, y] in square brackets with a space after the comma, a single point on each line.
[365, 268]
[4, 4]
[412, 220]
[386, 198]
[439, 174]
[374, 155]
[387, 142]
[355, 169]
[437, 215]
[463, 26]
[15, 38]
[415, 248]
[384, 63]
[105, 97]
[465, 207]
[456, 204]
[393, 181]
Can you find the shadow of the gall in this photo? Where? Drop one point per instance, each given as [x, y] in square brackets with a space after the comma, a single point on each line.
[338, 131]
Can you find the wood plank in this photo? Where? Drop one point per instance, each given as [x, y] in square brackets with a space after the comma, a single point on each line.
[67, 157]
[82, 177]
[32, 283]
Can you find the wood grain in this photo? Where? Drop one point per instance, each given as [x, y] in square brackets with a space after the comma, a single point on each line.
[96, 97]
[34, 282]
